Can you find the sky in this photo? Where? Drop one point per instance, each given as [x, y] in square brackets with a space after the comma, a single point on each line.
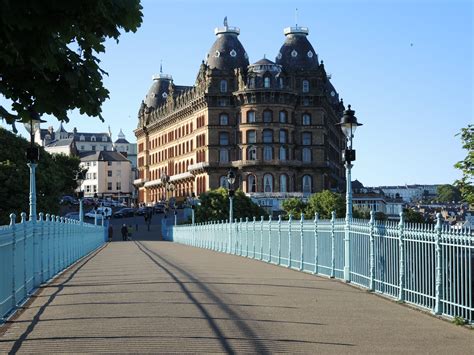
[406, 67]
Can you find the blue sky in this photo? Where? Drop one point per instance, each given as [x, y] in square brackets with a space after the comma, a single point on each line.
[406, 67]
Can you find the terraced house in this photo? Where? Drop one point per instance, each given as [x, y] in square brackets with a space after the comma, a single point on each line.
[272, 122]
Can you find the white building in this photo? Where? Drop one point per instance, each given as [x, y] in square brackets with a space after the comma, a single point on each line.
[109, 174]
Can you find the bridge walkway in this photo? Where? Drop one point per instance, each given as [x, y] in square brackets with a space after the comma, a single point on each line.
[160, 297]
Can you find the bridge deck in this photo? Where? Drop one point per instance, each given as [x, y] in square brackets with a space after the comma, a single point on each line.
[161, 297]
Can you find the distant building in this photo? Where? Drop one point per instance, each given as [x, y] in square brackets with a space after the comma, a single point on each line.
[109, 174]
[409, 193]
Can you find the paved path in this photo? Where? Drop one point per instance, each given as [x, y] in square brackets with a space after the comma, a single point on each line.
[159, 297]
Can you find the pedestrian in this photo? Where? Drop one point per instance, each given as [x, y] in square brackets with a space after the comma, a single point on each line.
[110, 232]
[130, 230]
[124, 231]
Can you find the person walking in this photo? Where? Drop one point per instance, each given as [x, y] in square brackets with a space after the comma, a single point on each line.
[124, 231]
[110, 232]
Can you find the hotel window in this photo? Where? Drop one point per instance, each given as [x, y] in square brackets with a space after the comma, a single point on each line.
[224, 155]
[252, 83]
[306, 184]
[283, 183]
[94, 188]
[306, 119]
[268, 183]
[283, 117]
[93, 147]
[119, 186]
[93, 139]
[266, 82]
[251, 117]
[251, 184]
[251, 137]
[223, 182]
[267, 116]
[306, 138]
[252, 153]
[224, 138]
[267, 136]
[109, 186]
[283, 153]
[88, 188]
[280, 83]
[283, 136]
[267, 152]
[223, 85]
[109, 163]
[305, 86]
[306, 155]
[223, 119]
[109, 173]
[104, 138]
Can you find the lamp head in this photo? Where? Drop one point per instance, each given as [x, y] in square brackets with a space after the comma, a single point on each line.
[349, 123]
[231, 178]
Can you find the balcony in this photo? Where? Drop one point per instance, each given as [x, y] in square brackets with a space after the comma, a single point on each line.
[139, 182]
[198, 166]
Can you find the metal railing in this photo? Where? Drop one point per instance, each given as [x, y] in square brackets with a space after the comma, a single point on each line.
[430, 266]
[34, 251]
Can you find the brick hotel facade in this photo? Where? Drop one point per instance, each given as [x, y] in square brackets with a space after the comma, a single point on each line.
[272, 122]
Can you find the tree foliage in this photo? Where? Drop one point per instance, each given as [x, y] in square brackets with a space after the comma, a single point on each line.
[465, 184]
[324, 203]
[215, 206]
[55, 176]
[412, 216]
[48, 60]
[294, 206]
[448, 193]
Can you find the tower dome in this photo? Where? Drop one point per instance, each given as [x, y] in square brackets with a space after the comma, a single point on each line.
[227, 53]
[297, 53]
[159, 90]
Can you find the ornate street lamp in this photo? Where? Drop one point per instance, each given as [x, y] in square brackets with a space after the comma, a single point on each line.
[230, 181]
[32, 155]
[80, 177]
[348, 125]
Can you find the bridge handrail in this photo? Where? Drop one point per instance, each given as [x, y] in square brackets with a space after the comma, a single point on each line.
[34, 251]
[430, 266]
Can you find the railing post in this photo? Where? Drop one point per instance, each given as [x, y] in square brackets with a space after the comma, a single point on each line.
[253, 237]
[48, 252]
[316, 217]
[63, 234]
[236, 242]
[371, 252]
[261, 237]
[301, 242]
[438, 306]
[58, 241]
[95, 217]
[241, 236]
[289, 240]
[246, 237]
[269, 238]
[279, 239]
[13, 228]
[333, 248]
[41, 246]
[401, 246]
[23, 225]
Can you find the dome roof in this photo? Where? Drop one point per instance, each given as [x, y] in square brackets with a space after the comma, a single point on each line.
[227, 53]
[264, 65]
[297, 53]
[158, 91]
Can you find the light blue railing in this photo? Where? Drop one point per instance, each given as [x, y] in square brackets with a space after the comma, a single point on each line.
[34, 251]
[430, 266]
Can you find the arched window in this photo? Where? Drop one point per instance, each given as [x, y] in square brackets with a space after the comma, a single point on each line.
[252, 153]
[223, 182]
[268, 183]
[306, 119]
[306, 155]
[93, 139]
[223, 85]
[267, 116]
[283, 117]
[266, 82]
[267, 152]
[267, 136]
[283, 183]
[223, 119]
[306, 182]
[251, 183]
[251, 117]
[305, 86]
[283, 153]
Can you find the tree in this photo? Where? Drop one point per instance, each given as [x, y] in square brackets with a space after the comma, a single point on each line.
[465, 184]
[324, 203]
[294, 206]
[412, 216]
[448, 193]
[54, 177]
[215, 206]
[47, 58]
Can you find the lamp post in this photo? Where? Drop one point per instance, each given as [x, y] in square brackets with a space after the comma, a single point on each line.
[32, 155]
[348, 125]
[230, 181]
[80, 176]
